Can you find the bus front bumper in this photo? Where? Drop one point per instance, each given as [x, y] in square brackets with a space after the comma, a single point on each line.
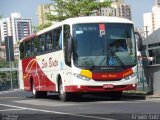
[104, 88]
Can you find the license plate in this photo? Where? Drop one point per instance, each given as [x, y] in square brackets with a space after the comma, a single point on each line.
[108, 86]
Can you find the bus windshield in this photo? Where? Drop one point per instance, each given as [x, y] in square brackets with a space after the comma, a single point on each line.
[104, 44]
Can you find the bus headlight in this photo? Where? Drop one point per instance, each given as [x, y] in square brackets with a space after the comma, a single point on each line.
[130, 76]
[81, 77]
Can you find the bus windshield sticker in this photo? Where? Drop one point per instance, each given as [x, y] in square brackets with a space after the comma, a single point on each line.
[79, 32]
[101, 30]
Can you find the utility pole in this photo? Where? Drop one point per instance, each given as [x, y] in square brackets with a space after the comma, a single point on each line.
[146, 30]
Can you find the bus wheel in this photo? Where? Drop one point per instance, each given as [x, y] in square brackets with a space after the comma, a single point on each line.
[38, 94]
[64, 96]
[34, 92]
[116, 95]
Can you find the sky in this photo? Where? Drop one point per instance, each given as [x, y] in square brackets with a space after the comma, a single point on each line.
[28, 8]
[138, 7]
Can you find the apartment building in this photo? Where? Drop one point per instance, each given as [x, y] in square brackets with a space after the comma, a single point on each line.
[15, 26]
[151, 20]
[118, 8]
[41, 13]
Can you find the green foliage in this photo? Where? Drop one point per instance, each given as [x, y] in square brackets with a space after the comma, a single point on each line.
[42, 26]
[3, 63]
[34, 29]
[75, 8]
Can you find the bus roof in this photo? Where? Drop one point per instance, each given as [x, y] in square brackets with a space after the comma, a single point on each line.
[87, 19]
[79, 20]
[28, 37]
[97, 19]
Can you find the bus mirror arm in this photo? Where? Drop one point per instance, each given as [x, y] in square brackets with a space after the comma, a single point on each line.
[139, 41]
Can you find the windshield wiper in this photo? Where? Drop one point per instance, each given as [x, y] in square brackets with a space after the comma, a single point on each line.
[91, 67]
[122, 64]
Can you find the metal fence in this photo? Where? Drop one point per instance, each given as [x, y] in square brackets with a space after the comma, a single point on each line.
[6, 85]
[8, 79]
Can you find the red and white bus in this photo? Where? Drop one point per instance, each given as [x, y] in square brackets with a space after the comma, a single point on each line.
[72, 58]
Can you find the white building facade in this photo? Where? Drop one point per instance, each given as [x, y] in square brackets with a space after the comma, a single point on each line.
[15, 26]
[118, 8]
[151, 20]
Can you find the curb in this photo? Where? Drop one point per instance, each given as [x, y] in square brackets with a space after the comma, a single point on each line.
[153, 96]
[140, 96]
[134, 96]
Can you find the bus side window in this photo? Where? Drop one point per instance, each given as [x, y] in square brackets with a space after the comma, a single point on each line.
[35, 46]
[42, 43]
[32, 47]
[28, 49]
[48, 41]
[22, 52]
[58, 38]
[54, 39]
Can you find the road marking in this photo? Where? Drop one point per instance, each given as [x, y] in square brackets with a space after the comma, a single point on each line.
[45, 102]
[10, 110]
[10, 97]
[4, 92]
[56, 112]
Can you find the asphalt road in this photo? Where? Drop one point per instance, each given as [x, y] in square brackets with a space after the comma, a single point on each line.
[19, 105]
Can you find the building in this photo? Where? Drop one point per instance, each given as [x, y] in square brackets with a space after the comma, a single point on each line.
[151, 20]
[152, 46]
[104, 12]
[21, 28]
[15, 26]
[41, 13]
[122, 9]
[118, 8]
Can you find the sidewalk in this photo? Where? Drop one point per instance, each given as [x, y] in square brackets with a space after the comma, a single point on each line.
[140, 96]
[153, 96]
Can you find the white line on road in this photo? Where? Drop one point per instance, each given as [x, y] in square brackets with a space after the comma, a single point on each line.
[4, 92]
[10, 97]
[56, 112]
[10, 109]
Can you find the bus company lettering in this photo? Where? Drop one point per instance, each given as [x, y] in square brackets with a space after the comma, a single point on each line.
[44, 64]
[127, 73]
[109, 76]
[53, 63]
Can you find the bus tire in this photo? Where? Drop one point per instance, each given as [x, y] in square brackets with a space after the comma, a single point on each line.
[116, 95]
[63, 96]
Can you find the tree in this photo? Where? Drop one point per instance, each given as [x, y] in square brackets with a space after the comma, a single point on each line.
[42, 26]
[74, 8]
